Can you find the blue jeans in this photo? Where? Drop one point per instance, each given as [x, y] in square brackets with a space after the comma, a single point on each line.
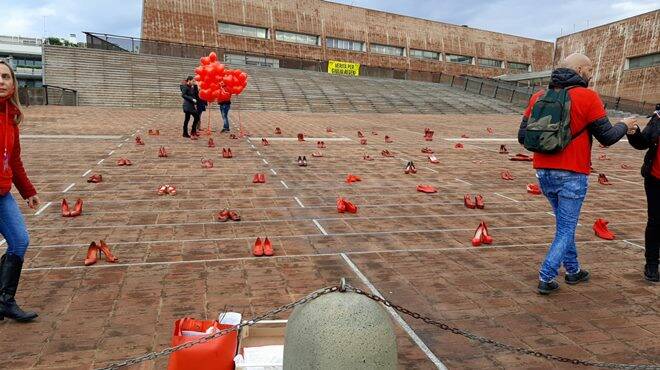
[224, 110]
[565, 191]
[12, 226]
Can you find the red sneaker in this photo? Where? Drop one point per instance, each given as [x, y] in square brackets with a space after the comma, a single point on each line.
[268, 248]
[479, 201]
[258, 248]
[534, 189]
[467, 200]
[601, 230]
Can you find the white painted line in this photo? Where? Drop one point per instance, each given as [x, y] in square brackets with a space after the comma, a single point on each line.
[69, 187]
[111, 152]
[318, 225]
[265, 161]
[86, 173]
[505, 197]
[127, 139]
[273, 171]
[253, 147]
[259, 154]
[120, 145]
[633, 244]
[404, 160]
[101, 161]
[431, 169]
[284, 183]
[308, 139]
[411, 333]
[463, 181]
[299, 202]
[43, 208]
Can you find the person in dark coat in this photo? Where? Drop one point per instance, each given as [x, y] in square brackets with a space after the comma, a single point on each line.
[189, 106]
[201, 106]
[649, 140]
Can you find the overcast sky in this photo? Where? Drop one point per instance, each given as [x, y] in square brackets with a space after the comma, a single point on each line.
[544, 20]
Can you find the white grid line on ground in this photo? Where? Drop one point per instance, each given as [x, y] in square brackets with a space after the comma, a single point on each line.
[284, 184]
[299, 202]
[86, 173]
[318, 225]
[411, 333]
[273, 171]
[101, 161]
[265, 161]
[627, 241]
[69, 187]
[43, 208]
[505, 197]
[463, 181]
[111, 152]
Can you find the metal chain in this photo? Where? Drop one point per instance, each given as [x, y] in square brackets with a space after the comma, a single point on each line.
[344, 287]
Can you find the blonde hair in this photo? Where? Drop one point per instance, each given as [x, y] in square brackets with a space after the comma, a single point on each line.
[14, 98]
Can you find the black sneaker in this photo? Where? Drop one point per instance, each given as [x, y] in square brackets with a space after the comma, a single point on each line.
[225, 130]
[572, 279]
[547, 288]
[651, 273]
[186, 135]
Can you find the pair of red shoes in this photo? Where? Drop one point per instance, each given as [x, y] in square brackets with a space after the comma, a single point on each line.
[94, 253]
[388, 139]
[301, 137]
[95, 179]
[233, 136]
[302, 161]
[433, 159]
[603, 180]
[603, 157]
[360, 134]
[363, 141]
[320, 144]
[387, 153]
[601, 230]
[226, 153]
[226, 215]
[162, 153]
[410, 168]
[264, 248]
[458, 146]
[427, 150]
[481, 235]
[211, 143]
[154, 132]
[259, 178]
[264, 142]
[278, 131]
[207, 163]
[503, 149]
[166, 189]
[352, 178]
[534, 189]
[367, 157]
[139, 141]
[506, 175]
[345, 206]
[478, 201]
[77, 208]
[428, 134]
[427, 189]
[124, 162]
[521, 158]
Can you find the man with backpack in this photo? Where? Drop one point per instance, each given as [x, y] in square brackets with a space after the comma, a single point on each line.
[558, 126]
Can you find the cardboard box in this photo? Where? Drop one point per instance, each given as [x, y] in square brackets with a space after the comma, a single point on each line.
[262, 334]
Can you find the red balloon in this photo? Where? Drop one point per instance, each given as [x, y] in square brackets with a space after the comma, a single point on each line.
[219, 68]
[242, 76]
[224, 95]
[205, 61]
[204, 94]
[213, 57]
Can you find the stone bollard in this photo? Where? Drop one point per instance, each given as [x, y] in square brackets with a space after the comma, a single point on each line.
[340, 331]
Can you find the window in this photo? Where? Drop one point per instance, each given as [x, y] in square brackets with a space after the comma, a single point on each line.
[463, 59]
[298, 38]
[519, 66]
[344, 44]
[423, 54]
[240, 30]
[388, 50]
[251, 60]
[644, 61]
[490, 63]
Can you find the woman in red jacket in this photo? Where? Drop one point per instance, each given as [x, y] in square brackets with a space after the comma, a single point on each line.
[12, 224]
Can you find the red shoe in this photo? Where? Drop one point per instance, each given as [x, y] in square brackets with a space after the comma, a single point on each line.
[367, 158]
[233, 136]
[350, 207]
[363, 141]
[603, 157]
[317, 154]
[258, 249]
[387, 153]
[506, 175]
[521, 158]
[458, 146]
[268, 248]
[428, 136]
[234, 216]
[152, 132]
[464, 136]
[301, 137]
[171, 190]
[207, 163]
[304, 161]
[407, 169]
[341, 205]
[77, 208]
[503, 149]
[65, 209]
[95, 179]
[229, 153]
[479, 201]
[360, 134]
[278, 131]
[121, 162]
[300, 162]
[211, 143]
[262, 178]
[127, 162]
[426, 189]
[222, 216]
[413, 169]
[601, 230]
[467, 200]
[328, 130]
[374, 133]
[352, 178]
[489, 130]
[162, 153]
[487, 239]
[625, 167]
[224, 153]
[534, 189]
[427, 150]
[264, 142]
[602, 179]
[162, 190]
[433, 159]
[256, 179]
[138, 141]
[109, 257]
[388, 139]
[157, 132]
[92, 254]
[481, 235]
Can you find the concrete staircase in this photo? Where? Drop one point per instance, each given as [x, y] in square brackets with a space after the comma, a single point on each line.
[114, 78]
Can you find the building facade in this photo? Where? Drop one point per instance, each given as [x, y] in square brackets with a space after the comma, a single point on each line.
[626, 56]
[273, 31]
[24, 55]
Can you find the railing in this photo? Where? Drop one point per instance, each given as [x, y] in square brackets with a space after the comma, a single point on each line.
[47, 95]
[501, 90]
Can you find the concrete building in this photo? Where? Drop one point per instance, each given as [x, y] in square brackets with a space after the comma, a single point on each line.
[272, 31]
[626, 56]
[24, 54]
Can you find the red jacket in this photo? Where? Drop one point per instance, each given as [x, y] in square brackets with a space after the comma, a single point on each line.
[11, 166]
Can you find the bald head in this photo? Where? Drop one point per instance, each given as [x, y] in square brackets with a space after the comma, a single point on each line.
[580, 63]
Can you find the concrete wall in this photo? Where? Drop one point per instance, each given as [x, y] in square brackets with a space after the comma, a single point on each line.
[196, 22]
[609, 46]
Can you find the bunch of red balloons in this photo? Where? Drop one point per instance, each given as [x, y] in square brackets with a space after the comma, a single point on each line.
[216, 83]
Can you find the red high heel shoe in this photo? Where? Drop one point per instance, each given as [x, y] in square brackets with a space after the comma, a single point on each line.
[534, 189]
[262, 178]
[92, 254]
[329, 130]
[224, 153]
[162, 153]
[171, 190]
[465, 136]
[503, 149]
[350, 207]
[95, 179]
[433, 159]
[413, 169]
[77, 208]
[264, 142]
[341, 205]
[317, 154]
[234, 216]
[139, 141]
[458, 146]
[601, 230]
[481, 235]
[489, 130]
[222, 216]
[427, 189]
[106, 251]
[427, 150]
[256, 179]
[360, 134]
[467, 200]
[407, 169]
[479, 201]
[388, 139]
[207, 163]
[304, 161]
[625, 167]
[487, 239]
[121, 162]
[152, 132]
[211, 143]
[367, 158]
[429, 135]
[65, 209]
[301, 137]
[229, 153]
[278, 131]
[521, 158]
[258, 248]
[602, 179]
[268, 248]
[162, 190]
[363, 141]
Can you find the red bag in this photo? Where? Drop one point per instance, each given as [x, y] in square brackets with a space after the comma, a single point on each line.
[216, 354]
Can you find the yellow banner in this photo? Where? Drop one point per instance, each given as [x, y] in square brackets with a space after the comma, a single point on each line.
[343, 68]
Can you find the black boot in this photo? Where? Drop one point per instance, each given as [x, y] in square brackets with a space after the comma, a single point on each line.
[651, 273]
[10, 273]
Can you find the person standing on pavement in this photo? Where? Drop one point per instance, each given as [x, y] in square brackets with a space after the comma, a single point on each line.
[201, 106]
[224, 111]
[189, 107]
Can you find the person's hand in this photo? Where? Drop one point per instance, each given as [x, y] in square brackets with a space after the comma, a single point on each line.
[33, 201]
[631, 122]
[194, 100]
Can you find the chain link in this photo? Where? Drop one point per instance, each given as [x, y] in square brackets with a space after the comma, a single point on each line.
[344, 287]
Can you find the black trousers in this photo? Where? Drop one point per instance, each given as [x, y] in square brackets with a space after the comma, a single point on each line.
[652, 186]
[195, 117]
